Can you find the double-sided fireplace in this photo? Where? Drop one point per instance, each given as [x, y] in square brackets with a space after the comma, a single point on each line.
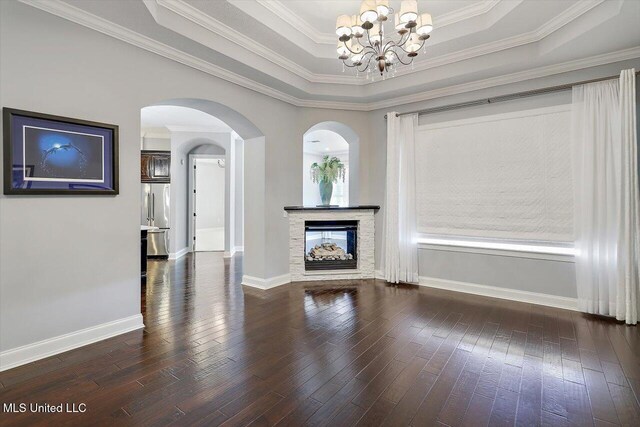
[331, 245]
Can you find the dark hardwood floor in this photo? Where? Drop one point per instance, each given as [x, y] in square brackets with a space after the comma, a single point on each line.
[355, 353]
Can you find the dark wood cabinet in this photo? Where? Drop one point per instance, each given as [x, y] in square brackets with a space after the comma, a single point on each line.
[155, 166]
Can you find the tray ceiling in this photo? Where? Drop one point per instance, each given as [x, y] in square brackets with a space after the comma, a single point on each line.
[286, 48]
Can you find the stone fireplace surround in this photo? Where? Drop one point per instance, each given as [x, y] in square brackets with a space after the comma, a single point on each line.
[365, 242]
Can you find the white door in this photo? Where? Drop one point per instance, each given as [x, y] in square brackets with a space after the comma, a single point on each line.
[208, 199]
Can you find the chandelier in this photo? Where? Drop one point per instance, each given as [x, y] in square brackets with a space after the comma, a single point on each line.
[365, 46]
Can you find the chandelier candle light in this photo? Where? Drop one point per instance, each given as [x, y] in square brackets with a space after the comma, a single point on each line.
[364, 45]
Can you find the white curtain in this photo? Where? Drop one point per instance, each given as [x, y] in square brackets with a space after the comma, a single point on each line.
[400, 247]
[627, 301]
[606, 199]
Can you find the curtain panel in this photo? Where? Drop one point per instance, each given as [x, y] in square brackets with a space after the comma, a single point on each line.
[628, 301]
[400, 247]
[606, 197]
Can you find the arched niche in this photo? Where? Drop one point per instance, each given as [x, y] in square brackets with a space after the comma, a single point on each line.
[353, 140]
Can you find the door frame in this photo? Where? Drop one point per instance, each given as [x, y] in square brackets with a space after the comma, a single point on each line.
[191, 202]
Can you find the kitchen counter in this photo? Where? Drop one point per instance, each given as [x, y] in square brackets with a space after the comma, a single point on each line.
[144, 229]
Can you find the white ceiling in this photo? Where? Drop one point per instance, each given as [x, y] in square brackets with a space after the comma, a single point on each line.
[320, 15]
[286, 48]
[324, 142]
[315, 19]
[158, 118]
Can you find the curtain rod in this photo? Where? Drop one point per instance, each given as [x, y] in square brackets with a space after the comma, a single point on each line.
[509, 97]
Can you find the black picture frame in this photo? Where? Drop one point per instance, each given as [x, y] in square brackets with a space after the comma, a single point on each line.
[104, 156]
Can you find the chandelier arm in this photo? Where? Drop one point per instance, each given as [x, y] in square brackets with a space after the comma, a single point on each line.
[358, 40]
[368, 63]
[371, 53]
[407, 52]
[371, 45]
[408, 34]
[349, 49]
[402, 62]
[359, 44]
[399, 43]
[344, 61]
[387, 45]
[354, 52]
[368, 38]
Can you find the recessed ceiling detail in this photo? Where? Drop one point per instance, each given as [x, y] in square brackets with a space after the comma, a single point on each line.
[285, 16]
[282, 48]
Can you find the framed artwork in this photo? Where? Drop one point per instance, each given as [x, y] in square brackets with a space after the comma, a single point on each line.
[46, 154]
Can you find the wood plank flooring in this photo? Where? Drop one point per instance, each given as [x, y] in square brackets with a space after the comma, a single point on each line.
[361, 353]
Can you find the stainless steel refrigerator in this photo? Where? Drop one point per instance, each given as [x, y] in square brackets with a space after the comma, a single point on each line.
[155, 213]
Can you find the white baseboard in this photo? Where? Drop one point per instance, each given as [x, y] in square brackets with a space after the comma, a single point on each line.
[239, 249]
[45, 348]
[502, 293]
[256, 282]
[182, 252]
[379, 274]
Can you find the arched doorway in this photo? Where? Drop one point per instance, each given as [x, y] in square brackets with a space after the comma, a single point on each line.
[208, 192]
[335, 140]
[185, 141]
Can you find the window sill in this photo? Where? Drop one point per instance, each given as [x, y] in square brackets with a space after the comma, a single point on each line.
[551, 253]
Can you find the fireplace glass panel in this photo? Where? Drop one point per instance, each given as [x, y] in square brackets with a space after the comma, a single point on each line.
[331, 245]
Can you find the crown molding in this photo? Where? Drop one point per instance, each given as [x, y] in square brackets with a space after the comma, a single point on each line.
[209, 23]
[86, 19]
[269, 14]
[81, 17]
[476, 9]
[295, 21]
[535, 73]
[551, 26]
[464, 13]
[565, 17]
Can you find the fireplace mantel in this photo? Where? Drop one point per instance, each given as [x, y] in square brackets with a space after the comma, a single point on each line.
[362, 215]
[375, 208]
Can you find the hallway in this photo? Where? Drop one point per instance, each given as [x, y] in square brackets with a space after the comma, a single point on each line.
[363, 353]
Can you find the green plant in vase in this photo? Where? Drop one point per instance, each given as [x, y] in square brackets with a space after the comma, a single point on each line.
[325, 174]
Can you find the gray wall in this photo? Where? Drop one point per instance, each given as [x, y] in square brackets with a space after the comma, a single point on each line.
[524, 274]
[161, 144]
[533, 275]
[68, 263]
[239, 194]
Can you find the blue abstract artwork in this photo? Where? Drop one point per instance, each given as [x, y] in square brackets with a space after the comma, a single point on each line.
[64, 155]
[51, 154]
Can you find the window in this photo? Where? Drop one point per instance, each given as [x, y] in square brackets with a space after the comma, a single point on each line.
[503, 177]
[341, 189]
[316, 145]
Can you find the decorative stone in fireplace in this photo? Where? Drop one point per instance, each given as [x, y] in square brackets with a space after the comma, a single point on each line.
[331, 243]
